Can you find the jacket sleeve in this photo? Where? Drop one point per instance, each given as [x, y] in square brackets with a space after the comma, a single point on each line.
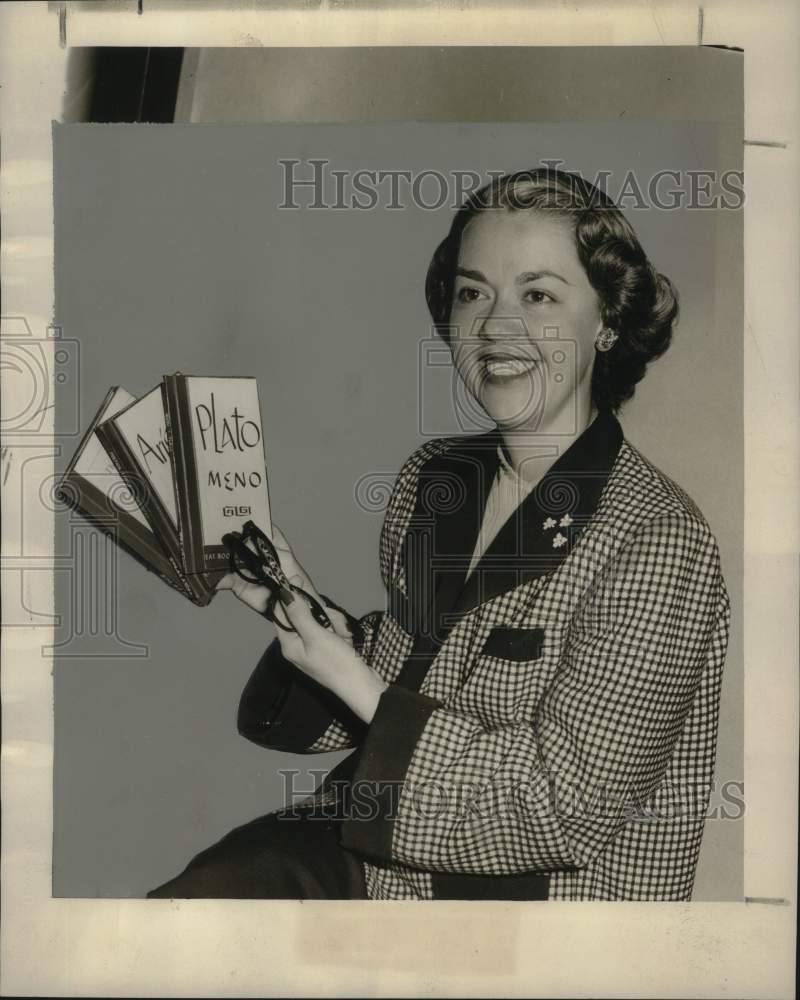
[283, 709]
[438, 790]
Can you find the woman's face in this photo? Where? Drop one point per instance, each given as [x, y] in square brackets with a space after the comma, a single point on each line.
[523, 320]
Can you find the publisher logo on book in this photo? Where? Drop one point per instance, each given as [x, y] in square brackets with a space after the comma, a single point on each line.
[237, 511]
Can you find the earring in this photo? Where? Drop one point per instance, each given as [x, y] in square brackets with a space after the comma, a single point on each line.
[606, 339]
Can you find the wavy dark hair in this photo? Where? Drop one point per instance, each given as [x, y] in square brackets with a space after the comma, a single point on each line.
[636, 301]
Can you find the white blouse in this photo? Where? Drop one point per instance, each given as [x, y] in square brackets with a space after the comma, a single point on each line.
[507, 492]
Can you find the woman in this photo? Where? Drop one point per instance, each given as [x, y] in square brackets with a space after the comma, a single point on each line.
[535, 713]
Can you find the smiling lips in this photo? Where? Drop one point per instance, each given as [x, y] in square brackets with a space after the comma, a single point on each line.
[508, 366]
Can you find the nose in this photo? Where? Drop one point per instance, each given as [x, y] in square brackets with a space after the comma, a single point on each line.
[502, 328]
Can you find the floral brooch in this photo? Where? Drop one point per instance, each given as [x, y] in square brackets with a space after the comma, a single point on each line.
[559, 539]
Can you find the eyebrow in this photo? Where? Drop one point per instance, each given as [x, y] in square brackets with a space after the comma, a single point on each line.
[522, 279]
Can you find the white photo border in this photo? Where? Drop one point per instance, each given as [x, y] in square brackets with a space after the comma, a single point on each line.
[123, 947]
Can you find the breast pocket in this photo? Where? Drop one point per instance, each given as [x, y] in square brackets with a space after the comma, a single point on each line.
[507, 676]
[518, 644]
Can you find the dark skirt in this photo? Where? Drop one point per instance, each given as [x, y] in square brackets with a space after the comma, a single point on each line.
[284, 855]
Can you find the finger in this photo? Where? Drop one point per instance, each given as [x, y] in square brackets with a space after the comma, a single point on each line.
[279, 614]
[252, 595]
[302, 581]
[278, 538]
[288, 560]
[339, 622]
[299, 614]
[284, 550]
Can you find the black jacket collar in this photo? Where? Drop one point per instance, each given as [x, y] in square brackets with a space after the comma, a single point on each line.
[451, 498]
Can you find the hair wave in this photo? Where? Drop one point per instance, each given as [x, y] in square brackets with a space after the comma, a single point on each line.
[637, 302]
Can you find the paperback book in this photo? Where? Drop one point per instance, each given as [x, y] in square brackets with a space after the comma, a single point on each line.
[136, 439]
[169, 474]
[216, 443]
[93, 486]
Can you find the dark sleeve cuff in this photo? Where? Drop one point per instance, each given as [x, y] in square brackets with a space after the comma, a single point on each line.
[283, 709]
[384, 759]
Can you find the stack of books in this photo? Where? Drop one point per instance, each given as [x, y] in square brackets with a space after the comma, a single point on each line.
[168, 474]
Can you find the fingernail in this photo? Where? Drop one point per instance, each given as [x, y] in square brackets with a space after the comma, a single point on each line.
[285, 595]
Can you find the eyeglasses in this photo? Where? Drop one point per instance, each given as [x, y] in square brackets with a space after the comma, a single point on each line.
[258, 563]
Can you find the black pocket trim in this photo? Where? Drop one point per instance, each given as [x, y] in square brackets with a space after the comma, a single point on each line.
[519, 644]
[524, 886]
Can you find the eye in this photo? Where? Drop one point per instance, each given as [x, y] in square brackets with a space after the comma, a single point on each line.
[537, 296]
[469, 294]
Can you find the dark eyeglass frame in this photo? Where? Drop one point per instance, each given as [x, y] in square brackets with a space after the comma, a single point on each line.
[263, 567]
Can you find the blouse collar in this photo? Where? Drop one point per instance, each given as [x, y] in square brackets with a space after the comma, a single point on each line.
[507, 469]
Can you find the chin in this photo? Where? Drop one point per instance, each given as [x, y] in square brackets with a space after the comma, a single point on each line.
[512, 410]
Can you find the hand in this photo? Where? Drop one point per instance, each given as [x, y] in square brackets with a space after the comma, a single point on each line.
[256, 597]
[330, 660]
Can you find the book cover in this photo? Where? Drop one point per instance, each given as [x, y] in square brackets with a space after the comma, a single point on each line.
[136, 440]
[217, 443]
[93, 486]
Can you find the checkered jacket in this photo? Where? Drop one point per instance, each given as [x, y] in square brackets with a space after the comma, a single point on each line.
[550, 725]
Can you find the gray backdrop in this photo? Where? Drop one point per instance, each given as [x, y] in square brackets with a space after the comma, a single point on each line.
[171, 254]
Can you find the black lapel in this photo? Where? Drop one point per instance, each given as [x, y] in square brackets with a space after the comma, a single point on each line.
[546, 526]
[451, 498]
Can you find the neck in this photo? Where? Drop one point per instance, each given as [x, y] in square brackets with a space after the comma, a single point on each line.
[531, 452]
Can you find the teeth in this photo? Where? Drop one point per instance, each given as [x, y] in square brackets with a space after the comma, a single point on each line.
[509, 366]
